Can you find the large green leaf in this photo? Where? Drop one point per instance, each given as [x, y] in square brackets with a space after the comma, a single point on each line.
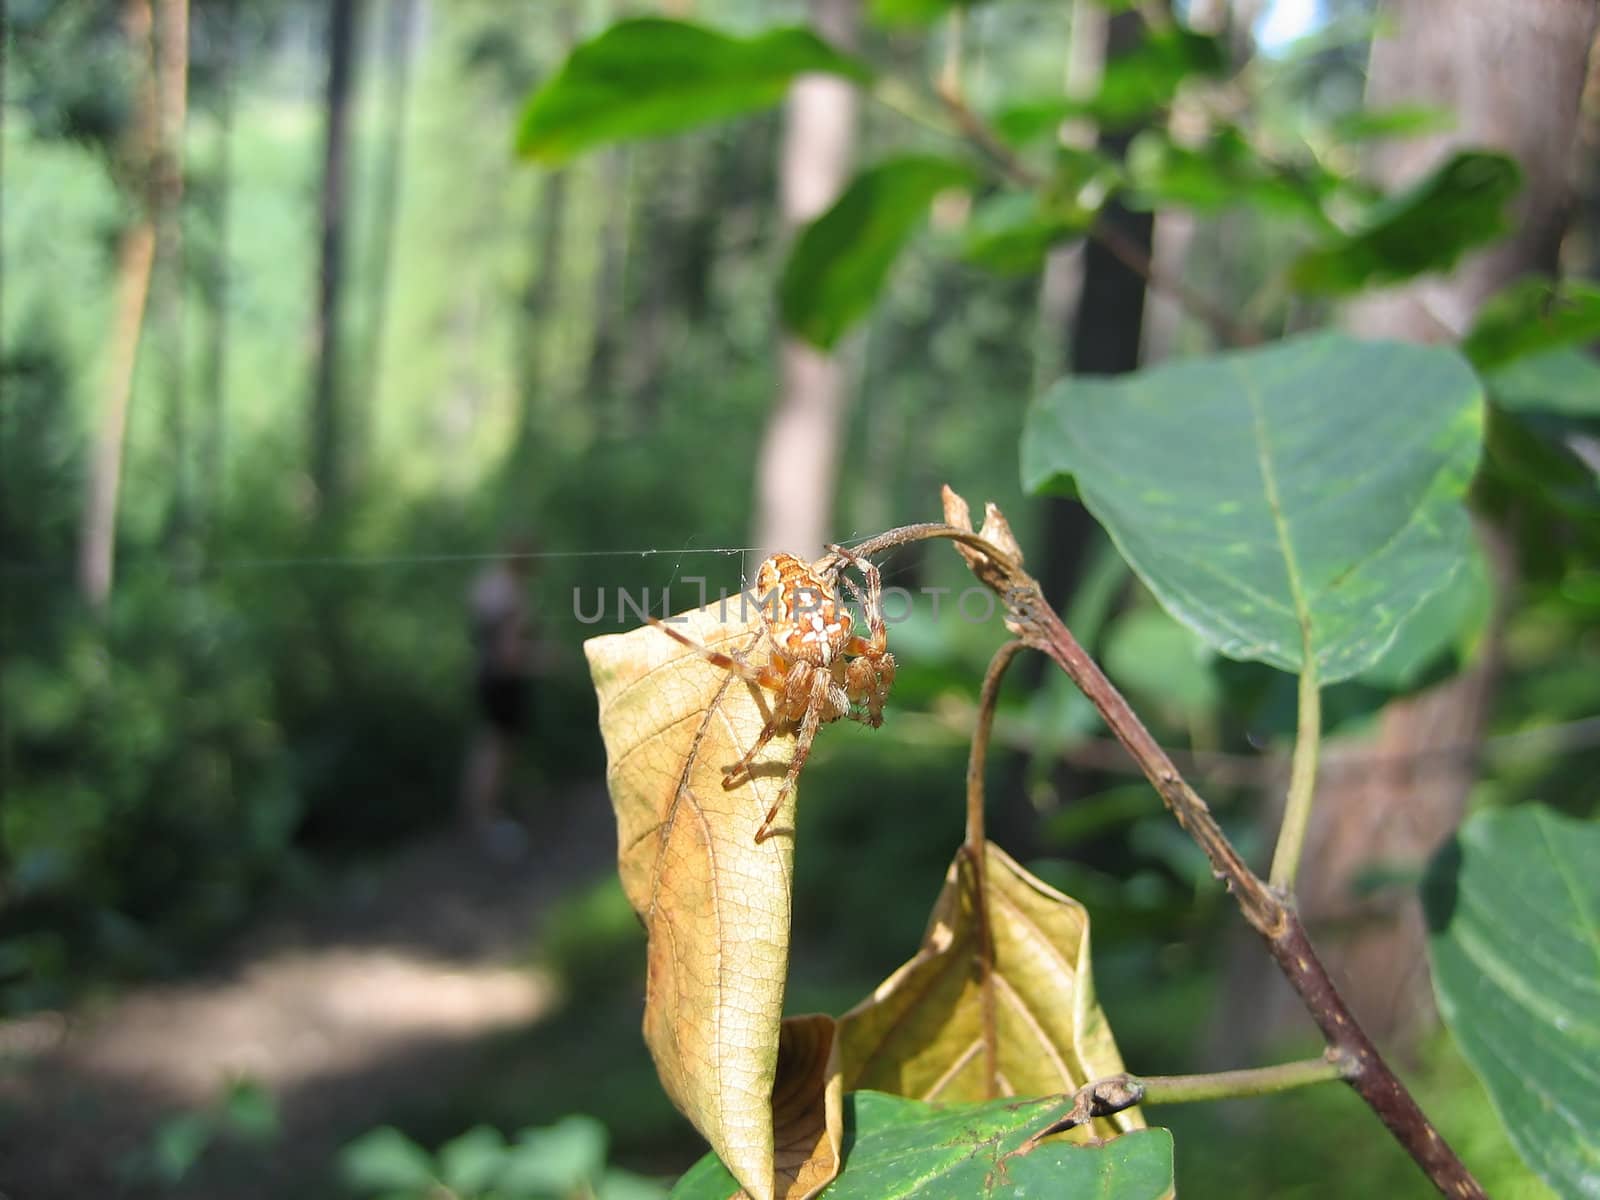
[1445, 626]
[1292, 504]
[900, 1149]
[1428, 227]
[1513, 907]
[838, 264]
[648, 77]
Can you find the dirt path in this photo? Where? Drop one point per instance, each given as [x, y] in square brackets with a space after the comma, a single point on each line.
[337, 1010]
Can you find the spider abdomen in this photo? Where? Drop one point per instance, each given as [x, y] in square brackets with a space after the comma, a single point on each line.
[802, 611]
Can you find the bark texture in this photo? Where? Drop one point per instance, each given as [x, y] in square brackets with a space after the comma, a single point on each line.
[799, 459]
[1513, 74]
[136, 254]
[326, 425]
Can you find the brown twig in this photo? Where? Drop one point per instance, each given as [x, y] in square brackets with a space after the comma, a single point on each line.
[975, 848]
[996, 561]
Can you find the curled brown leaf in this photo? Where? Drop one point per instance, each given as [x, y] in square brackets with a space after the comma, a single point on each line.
[715, 902]
[924, 1033]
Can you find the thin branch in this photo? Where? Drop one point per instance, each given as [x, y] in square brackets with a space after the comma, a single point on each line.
[988, 697]
[1302, 783]
[976, 850]
[1033, 621]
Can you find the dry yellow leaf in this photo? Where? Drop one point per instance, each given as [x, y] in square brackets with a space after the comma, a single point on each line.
[923, 1032]
[715, 902]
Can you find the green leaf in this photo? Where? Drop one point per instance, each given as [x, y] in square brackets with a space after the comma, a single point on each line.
[385, 1160]
[1291, 504]
[1226, 171]
[900, 1149]
[1425, 228]
[1145, 79]
[1027, 121]
[650, 76]
[1401, 121]
[178, 1144]
[1547, 457]
[560, 1158]
[617, 1184]
[1012, 232]
[1513, 907]
[1564, 381]
[250, 1111]
[1450, 619]
[1531, 316]
[472, 1162]
[913, 12]
[839, 262]
[1134, 86]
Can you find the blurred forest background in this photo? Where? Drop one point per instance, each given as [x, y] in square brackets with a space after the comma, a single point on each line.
[292, 346]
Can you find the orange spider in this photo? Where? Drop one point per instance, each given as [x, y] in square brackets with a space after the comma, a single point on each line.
[818, 671]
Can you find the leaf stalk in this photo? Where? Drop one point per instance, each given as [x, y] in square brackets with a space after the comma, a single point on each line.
[1233, 1085]
[1302, 783]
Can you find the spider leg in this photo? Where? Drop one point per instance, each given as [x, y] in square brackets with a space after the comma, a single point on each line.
[872, 603]
[802, 750]
[731, 774]
[767, 676]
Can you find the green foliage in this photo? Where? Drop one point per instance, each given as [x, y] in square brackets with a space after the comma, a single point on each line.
[840, 261]
[914, 12]
[1145, 79]
[1445, 627]
[900, 1149]
[1459, 205]
[1565, 382]
[650, 76]
[1532, 316]
[560, 1162]
[1511, 905]
[1403, 120]
[1011, 233]
[1226, 483]
[149, 801]
[1224, 172]
[244, 1112]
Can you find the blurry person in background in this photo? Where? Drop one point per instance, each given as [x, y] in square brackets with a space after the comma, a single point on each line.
[503, 689]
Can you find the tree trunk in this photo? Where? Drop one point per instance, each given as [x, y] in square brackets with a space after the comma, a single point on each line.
[799, 458]
[616, 169]
[1107, 326]
[172, 84]
[213, 428]
[135, 258]
[1513, 76]
[326, 426]
[387, 176]
[542, 287]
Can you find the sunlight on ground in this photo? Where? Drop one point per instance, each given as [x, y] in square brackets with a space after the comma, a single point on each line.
[298, 1016]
